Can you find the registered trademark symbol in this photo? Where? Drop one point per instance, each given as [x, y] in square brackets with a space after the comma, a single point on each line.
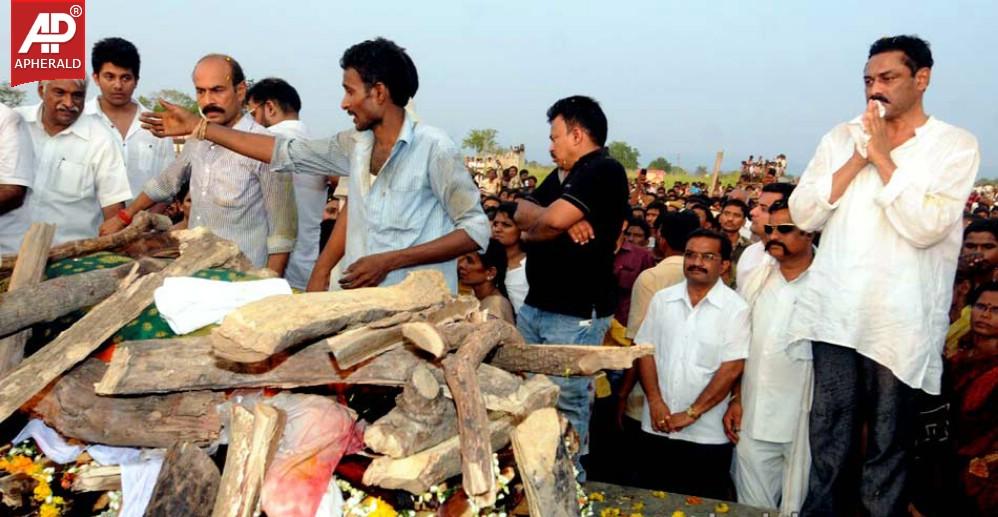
[75, 11]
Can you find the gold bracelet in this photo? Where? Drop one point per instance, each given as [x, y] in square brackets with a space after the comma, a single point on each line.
[692, 413]
[201, 128]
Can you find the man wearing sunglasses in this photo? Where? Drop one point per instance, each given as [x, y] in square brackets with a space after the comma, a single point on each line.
[764, 417]
[887, 190]
[700, 331]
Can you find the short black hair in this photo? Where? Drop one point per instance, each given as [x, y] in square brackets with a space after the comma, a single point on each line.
[278, 91]
[676, 227]
[982, 226]
[640, 223]
[658, 205]
[508, 208]
[494, 255]
[917, 54]
[382, 61]
[118, 52]
[986, 287]
[711, 234]
[982, 209]
[234, 67]
[581, 111]
[738, 203]
[779, 204]
[490, 197]
[784, 189]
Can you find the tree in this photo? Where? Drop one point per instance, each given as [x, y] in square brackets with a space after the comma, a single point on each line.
[625, 154]
[173, 96]
[10, 96]
[481, 140]
[660, 163]
[701, 170]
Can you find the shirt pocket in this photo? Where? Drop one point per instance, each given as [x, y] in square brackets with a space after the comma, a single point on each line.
[147, 154]
[229, 188]
[708, 353]
[70, 181]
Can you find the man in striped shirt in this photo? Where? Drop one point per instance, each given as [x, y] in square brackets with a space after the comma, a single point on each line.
[235, 197]
[413, 204]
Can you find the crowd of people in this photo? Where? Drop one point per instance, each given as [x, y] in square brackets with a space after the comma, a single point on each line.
[823, 346]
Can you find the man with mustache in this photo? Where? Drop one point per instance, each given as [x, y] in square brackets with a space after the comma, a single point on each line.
[755, 254]
[700, 331]
[765, 411]
[80, 179]
[888, 191]
[235, 197]
[116, 72]
[413, 204]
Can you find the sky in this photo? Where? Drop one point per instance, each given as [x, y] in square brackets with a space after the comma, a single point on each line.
[681, 80]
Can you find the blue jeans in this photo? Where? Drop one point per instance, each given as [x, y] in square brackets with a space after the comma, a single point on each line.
[575, 400]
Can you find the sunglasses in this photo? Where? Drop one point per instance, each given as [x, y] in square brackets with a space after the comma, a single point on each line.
[782, 228]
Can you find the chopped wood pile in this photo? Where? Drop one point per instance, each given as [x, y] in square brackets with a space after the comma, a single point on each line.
[468, 384]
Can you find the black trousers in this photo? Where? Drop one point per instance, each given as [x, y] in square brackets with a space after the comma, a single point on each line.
[685, 467]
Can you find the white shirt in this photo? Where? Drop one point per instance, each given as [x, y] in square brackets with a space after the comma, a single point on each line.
[773, 376]
[883, 275]
[145, 154]
[753, 256]
[17, 167]
[690, 345]
[310, 199]
[516, 285]
[77, 172]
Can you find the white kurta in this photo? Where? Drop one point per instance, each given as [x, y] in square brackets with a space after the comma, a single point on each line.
[883, 275]
[17, 167]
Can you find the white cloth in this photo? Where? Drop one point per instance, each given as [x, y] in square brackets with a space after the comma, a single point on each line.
[52, 445]
[145, 154]
[757, 471]
[188, 304]
[690, 345]
[883, 275]
[310, 198]
[17, 167]
[77, 172]
[753, 256]
[516, 285]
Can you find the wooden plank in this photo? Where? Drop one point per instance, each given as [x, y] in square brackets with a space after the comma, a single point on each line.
[73, 408]
[261, 329]
[97, 478]
[421, 418]
[28, 271]
[60, 296]
[544, 464]
[568, 360]
[253, 438]
[187, 484]
[199, 250]
[717, 173]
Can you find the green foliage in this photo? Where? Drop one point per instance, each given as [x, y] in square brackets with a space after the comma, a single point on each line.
[625, 154]
[701, 170]
[10, 96]
[481, 140]
[660, 163]
[173, 96]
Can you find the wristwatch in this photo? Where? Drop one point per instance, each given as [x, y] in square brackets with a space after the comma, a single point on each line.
[692, 413]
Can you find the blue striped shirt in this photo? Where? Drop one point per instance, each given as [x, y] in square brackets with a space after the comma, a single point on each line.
[422, 192]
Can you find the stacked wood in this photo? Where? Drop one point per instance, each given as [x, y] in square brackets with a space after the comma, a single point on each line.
[97, 478]
[544, 464]
[187, 484]
[253, 438]
[28, 271]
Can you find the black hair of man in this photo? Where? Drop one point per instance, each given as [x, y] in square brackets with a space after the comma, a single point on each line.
[738, 203]
[118, 52]
[711, 234]
[657, 204]
[986, 287]
[676, 227]
[508, 208]
[982, 210]
[490, 197]
[784, 189]
[584, 112]
[640, 223]
[524, 172]
[917, 54]
[382, 61]
[277, 91]
[235, 69]
[982, 226]
[495, 256]
[779, 204]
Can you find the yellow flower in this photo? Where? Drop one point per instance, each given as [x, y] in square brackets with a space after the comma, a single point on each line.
[597, 496]
[610, 512]
[678, 513]
[721, 508]
[638, 506]
[659, 494]
[42, 491]
[49, 510]
[381, 508]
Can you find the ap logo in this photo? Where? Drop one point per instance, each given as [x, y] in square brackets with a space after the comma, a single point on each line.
[47, 40]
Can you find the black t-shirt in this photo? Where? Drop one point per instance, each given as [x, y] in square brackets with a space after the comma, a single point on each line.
[567, 278]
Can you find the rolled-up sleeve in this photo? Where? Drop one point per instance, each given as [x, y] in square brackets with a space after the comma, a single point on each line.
[455, 189]
[282, 214]
[923, 205]
[320, 157]
[164, 187]
[737, 333]
[809, 204]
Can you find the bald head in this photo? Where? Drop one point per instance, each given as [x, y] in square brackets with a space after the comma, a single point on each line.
[235, 71]
[221, 88]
